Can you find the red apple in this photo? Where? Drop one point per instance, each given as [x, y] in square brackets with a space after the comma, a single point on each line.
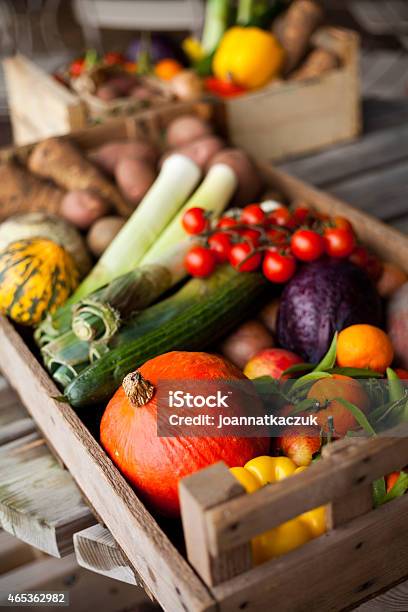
[270, 362]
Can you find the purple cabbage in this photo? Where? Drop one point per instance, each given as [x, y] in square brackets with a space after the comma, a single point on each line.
[160, 48]
[323, 297]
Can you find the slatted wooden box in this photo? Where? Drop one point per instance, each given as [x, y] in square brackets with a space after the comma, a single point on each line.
[365, 550]
[276, 122]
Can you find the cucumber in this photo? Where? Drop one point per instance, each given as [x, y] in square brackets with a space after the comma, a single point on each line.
[200, 325]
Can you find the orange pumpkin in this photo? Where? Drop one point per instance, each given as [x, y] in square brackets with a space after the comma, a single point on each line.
[152, 464]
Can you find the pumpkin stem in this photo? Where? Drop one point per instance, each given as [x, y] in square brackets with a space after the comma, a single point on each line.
[139, 391]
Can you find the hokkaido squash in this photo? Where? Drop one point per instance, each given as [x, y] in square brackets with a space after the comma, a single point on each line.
[152, 464]
[36, 276]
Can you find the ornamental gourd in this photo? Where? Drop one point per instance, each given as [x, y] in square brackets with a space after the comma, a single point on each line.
[153, 464]
[36, 276]
[249, 57]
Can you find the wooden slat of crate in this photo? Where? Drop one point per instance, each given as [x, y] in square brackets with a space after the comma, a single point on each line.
[14, 553]
[53, 109]
[96, 550]
[14, 419]
[39, 501]
[290, 118]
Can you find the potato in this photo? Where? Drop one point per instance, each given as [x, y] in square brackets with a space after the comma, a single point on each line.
[83, 207]
[247, 340]
[185, 129]
[102, 233]
[141, 93]
[107, 92]
[201, 151]
[123, 83]
[269, 314]
[108, 155]
[397, 324]
[134, 178]
[391, 279]
[249, 181]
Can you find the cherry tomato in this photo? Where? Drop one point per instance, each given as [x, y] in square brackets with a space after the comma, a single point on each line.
[253, 215]
[343, 223]
[194, 220]
[278, 267]
[77, 67]
[300, 215]
[369, 262]
[280, 216]
[220, 244]
[401, 373]
[276, 236]
[250, 235]
[339, 242]
[307, 245]
[227, 223]
[200, 261]
[240, 257]
[113, 57]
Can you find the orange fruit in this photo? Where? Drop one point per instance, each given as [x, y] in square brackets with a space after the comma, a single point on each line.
[327, 391]
[364, 346]
[166, 69]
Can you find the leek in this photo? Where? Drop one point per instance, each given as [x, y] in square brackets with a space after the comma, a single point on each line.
[213, 195]
[178, 177]
[99, 316]
[216, 22]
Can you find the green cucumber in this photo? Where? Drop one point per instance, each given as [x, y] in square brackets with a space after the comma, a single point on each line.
[200, 325]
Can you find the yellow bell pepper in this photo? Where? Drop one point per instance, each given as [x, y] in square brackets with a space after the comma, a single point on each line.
[250, 57]
[290, 535]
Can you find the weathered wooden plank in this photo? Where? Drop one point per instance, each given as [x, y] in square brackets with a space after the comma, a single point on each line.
[382, 193]
[14, 553]
[393, 600]
[374, 150]
[14, 419]
[86, 590]
[96, 550]
[39, 501]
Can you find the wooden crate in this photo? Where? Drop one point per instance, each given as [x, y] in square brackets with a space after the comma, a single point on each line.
[281, 120]
[296, 117]
[40, 106]
[365, 550]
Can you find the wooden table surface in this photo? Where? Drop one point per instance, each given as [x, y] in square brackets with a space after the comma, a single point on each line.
[370, 173]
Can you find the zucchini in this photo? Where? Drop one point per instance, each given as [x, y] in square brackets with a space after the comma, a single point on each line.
[230, 297]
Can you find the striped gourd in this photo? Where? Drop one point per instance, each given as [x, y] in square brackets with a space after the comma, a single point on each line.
[36, 276]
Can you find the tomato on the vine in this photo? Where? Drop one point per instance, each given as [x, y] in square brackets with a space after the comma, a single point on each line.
[276, 236]
[343, 223]
[111, 58]
[194, 220]
[200, 261]
[227, 223]
[307, 245]
[250, 235]
[253, 215]
[369, 262]
[220, 244]
[280, 216]
[339, 242]
[300, 215]
[77, 67]
[240, 257]
[278, 267]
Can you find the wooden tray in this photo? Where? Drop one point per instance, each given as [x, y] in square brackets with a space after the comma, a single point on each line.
[365, 550]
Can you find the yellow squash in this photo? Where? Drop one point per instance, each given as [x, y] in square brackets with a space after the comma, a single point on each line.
[36, 276]
[250, 57]
[290, 535]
